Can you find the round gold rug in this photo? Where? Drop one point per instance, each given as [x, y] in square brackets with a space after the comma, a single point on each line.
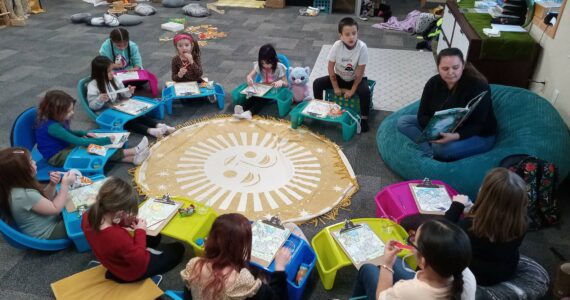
[258, 168]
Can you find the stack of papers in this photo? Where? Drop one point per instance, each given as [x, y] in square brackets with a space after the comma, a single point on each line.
[491, 32]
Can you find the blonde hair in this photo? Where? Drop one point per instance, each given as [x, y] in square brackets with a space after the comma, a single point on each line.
[500, 211]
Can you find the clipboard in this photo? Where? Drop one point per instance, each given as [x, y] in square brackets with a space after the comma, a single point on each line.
[156, 206]
[268, 236]
[430, 198]
[360, 243]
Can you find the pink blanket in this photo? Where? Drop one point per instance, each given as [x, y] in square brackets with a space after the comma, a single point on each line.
[408, 24]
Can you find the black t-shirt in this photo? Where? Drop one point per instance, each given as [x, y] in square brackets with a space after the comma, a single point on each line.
[436, 96]
[492, 262]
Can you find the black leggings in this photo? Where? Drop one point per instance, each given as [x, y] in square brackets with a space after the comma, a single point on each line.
[363, 91]
[254, 104]
[140, 125]
[172, 254]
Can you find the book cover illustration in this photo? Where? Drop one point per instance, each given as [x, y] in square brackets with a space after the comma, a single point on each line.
[85, 195]
[449, 120]
[322, 109]
[431, 200]
[120, 138]
[257, 90]
[127, 76]
[266, 241]
[97, 150]
[186, 88]
[155, 213]
[360, 244]
[133, 106]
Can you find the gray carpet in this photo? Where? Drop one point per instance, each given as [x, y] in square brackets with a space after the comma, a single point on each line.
[51, 53]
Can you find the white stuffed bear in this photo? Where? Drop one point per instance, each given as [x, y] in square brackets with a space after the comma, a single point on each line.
[299, 84]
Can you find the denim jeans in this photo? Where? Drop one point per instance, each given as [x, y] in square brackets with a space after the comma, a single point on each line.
[410, 127]
[368, 276]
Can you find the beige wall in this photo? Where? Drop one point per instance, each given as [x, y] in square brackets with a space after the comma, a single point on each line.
[553, 65]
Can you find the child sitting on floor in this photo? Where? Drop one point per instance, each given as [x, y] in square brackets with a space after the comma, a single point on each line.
[103, 88]
[125, 256]
[223, 272]
[186, 65]
[271, 71]
[36, 210]
[347, 61]
[442, 251]
[56, 139]
[120, 50]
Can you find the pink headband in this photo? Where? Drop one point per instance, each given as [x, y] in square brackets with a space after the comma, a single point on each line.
[182, 36]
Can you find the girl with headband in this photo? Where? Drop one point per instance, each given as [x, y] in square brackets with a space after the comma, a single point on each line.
[186, 65]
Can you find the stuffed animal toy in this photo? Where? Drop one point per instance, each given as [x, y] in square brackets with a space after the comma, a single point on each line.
[299, 81]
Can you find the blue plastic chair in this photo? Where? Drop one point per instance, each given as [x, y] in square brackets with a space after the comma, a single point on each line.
[20, 240]
[23, 135]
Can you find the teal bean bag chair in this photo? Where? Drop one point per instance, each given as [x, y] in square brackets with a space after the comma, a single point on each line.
[527, 124]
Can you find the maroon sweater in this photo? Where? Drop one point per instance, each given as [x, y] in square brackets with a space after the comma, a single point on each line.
[123, 255]
[194, 72]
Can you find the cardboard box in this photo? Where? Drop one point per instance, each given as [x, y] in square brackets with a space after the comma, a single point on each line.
[274, 3]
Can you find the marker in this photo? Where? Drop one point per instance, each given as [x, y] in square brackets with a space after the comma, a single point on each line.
[402, 246]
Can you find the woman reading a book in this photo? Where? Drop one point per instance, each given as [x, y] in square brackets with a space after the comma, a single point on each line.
[442, 251]
[223, 272]
[454, 87]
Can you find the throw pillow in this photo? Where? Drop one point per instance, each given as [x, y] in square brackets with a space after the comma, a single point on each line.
[81, 18]
[97, 21]
[130, 20]
[144, 10]
[111, 20]
[172, 3]
[196, 10]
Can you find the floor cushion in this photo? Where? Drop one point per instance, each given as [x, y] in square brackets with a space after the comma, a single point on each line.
[80, 18]
[529, 282]
[144, 10]
[172, 3]
[130, 20]
[527, 123]
[195, 10]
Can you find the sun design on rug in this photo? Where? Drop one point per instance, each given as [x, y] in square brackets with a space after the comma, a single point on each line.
[248, 165]
[258, 168]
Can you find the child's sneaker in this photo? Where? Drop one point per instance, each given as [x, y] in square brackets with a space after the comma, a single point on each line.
[238, 110]
[143, 144]
[156, 132]
[244, 115]
[141, 157]
[165, 128]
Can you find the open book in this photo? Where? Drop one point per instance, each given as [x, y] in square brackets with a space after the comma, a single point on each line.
[257, 90]
[127, 76]
[266, 240]
[360, 243]
[157, 212]
[118, 142]
[186, 88]
[132, 106]
[449, 120]
[83, 196]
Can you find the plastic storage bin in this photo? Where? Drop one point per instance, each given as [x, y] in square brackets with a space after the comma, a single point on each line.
[324, 6]
[396, 201]
[302, 254]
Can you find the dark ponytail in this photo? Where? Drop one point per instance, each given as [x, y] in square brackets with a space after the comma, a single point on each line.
[457, 286]
[446, 248]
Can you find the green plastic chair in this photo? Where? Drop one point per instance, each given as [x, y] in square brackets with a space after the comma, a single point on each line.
[283, 96]
[331, 257]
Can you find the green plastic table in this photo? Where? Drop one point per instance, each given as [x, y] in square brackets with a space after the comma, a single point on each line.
[190, 228]
[348, 119]
[283, 96]
[331, 257]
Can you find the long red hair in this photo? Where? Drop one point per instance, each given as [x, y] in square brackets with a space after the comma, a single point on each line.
[228, 245]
